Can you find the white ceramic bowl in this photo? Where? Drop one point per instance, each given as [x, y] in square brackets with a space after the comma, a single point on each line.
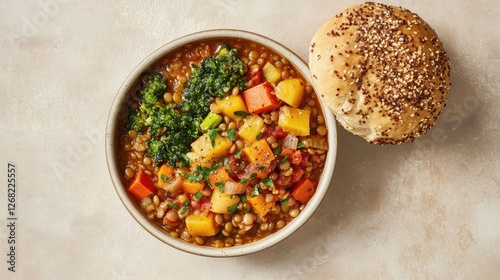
[119, 106]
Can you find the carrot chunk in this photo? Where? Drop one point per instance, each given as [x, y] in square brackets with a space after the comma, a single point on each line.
[260, 99]
[142, 186]
[304, 190]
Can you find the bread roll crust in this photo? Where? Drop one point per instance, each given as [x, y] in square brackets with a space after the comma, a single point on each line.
[382, 70]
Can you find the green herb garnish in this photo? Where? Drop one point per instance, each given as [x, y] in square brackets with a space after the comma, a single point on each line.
[231, 134]
[220, 185]
[259, 136]
[283, 159]
[212, 133]
[164, 177]
[252, 176]
[300, 145]
[173, 205]
[268, 182]
[241, 114]
[198, 195]
[238, 154]
[255, 190]
[284, 201]
[232, 208]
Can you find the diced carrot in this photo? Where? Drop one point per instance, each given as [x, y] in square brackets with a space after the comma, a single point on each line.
[259, 152]
[192, 187]
[142, 186]
[304, 190]
[260, 99]
[259, 204]
[165, 173]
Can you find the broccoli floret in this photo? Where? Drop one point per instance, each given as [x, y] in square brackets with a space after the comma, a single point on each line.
[136, 120]
[154, 86]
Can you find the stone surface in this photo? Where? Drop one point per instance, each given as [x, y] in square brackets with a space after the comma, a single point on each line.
[427, 210]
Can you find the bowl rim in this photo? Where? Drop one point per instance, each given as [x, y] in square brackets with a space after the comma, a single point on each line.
[131, 206]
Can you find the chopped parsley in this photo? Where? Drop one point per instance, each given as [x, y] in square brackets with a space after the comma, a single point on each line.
[241, 114]
[197, 195]
[200, 173]
[268, 182]
[243, 198]
[300, 145]
[252, 176]
[255, 190]
[220, 185]
[212, 133]
[259, 136]
[278, 151]
[231, 134]
[164, 177]
[283, 159]
[232, 208]
[238, 154]
[284, 201]
[173, 205]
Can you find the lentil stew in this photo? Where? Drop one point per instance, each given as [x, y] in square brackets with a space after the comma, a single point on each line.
[223, 142]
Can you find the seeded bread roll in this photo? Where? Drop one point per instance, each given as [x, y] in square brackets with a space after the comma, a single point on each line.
[382, 70]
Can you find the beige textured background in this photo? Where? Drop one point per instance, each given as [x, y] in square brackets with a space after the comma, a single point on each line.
[427, 210]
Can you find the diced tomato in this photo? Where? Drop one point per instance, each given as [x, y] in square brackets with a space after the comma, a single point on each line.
[254, 78]
[305, 159]
[293, 156]
[268, 131]
[283, 181]
[279, 133]
[297, 174]
[203, 204]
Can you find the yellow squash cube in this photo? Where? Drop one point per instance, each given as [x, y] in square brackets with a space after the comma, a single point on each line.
[203, 154]
[251, 128]
[201, 225]
[291, 91]
[271, 72]
[231, 104]
[220, 202]
[294, 121]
